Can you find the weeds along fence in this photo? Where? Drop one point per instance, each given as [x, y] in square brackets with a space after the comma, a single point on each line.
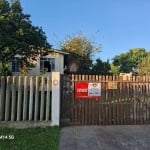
[25, 98]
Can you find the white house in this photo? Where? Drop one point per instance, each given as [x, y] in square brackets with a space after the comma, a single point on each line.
[54, 61]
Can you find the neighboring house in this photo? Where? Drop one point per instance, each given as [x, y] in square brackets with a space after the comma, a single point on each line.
[54, 61]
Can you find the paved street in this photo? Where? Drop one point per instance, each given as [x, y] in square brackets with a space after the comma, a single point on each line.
[136, 137]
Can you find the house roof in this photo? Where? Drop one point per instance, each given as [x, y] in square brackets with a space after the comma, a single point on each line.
[58, 51]
[50, 50]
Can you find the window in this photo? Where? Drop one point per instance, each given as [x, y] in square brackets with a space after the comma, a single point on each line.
[15, 64]
[47, 64]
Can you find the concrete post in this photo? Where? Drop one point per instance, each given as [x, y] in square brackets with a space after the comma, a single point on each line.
[55, 116]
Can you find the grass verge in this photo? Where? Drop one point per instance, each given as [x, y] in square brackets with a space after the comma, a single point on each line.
[29, 139]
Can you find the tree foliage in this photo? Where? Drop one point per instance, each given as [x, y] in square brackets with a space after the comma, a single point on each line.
[81, 49]
[143, 66]
[18, 35]
[114, 69]
[101, 67]
[128, 61]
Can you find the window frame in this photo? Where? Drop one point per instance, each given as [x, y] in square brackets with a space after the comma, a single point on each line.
[51, 61]
[15, 64]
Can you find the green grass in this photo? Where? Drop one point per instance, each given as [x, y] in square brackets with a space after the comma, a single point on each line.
[29, 139]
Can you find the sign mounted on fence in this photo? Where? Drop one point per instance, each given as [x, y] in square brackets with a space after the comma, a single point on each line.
[87, 90]
[112, 85]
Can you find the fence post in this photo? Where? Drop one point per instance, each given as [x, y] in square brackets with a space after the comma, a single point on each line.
[55, 115]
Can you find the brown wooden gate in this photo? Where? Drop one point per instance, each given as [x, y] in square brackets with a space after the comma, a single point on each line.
[123, 101]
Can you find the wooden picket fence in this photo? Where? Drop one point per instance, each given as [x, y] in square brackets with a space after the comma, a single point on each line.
[25, 98]
[36, 98]
[123, 101]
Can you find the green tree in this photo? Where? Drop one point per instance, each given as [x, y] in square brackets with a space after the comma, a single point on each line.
[143, 66]
[101, 67]
[128, 61]
[81, 49]
[18, 35]
[114, 69]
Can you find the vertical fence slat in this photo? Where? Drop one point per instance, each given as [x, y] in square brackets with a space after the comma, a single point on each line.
[2, 98]
[42, 100]
[48, 98]
[13, 104]
[31, 98]
[19, 99]
[7, 104]
[36, 99]
[25, 100]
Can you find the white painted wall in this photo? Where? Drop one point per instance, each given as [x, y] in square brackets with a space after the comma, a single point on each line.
[59, 65]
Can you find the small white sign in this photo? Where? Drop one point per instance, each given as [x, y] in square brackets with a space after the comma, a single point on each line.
[94, 89]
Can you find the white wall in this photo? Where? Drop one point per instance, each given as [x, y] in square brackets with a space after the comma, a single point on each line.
[59, 65]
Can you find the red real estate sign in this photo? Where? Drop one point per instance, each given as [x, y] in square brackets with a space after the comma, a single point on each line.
[87, 90]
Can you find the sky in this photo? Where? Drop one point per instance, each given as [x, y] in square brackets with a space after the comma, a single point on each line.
[117, 25]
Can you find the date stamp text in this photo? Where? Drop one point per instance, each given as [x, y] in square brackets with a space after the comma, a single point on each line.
[7, 137]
